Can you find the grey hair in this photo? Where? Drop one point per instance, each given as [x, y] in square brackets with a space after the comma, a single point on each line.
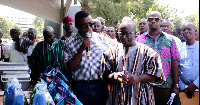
[48, 28]
[96, 20]
[101, 19]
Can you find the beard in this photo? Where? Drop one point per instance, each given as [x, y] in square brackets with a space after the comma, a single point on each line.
[153, 29]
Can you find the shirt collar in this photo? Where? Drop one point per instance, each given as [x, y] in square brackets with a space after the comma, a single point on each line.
[192, 46]
[161, 34]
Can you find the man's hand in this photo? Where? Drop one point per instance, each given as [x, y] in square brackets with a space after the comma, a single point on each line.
[87, 42]
[190, 90]
[121, 77]
[132, 79]
[175, 90]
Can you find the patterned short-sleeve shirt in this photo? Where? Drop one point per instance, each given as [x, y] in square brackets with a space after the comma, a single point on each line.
[166, 46]
[89, 66]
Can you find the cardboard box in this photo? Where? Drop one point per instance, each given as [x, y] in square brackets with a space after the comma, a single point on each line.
[189, 101]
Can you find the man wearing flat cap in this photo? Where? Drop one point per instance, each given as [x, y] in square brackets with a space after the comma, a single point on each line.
[68, 25]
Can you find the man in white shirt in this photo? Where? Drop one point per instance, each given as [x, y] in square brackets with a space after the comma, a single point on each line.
[18, 50]
[189, 61]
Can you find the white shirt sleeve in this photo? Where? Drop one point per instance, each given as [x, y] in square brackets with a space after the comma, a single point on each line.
[6, 51]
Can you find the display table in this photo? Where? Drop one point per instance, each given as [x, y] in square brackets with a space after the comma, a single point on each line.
[21, 71]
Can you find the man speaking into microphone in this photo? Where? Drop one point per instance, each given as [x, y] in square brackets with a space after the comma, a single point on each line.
[87, 83]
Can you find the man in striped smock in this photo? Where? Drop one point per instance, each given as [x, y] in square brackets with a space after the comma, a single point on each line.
[131, 69]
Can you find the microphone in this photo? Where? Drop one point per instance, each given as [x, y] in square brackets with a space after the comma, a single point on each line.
[88, 35]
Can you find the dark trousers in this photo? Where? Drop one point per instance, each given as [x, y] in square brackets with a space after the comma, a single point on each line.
[91, 93]
[162, 96]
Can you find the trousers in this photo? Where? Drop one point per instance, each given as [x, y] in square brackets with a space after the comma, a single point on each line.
[91, 93]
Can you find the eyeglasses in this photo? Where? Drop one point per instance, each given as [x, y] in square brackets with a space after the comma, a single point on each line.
[124, 33]
[163, 26]
[156, 19]
[86, 25]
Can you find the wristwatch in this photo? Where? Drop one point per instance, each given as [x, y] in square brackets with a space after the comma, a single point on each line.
[176, 85]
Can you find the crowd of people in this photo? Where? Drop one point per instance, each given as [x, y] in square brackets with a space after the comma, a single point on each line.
[124, 67]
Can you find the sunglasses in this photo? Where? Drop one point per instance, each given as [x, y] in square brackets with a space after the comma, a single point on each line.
[156, 19]
[86, 25]
[124, 33]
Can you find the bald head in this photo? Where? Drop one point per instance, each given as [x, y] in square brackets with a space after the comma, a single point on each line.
[48, 28]
[126, 18]
[128, 23]
[166, 26]
[143, 26]
[167, 21]
[155, 14]
[188, 31]
[126, 33]
[143, 20]
[189, 24]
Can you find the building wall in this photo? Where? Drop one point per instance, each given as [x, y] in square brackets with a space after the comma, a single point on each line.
[72, 11]
[23, 22]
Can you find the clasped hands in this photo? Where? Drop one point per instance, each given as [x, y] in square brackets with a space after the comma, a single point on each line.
[127, 79]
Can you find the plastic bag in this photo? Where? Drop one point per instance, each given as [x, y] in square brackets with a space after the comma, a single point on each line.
[59, 91]
[13, 92]
[42, 96]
